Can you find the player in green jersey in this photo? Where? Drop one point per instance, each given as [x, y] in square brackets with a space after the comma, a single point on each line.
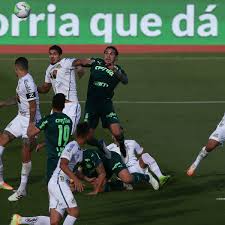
[97, 169]
[105, 75]
[57, 128]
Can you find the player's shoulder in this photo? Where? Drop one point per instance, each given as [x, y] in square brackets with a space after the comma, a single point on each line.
[98, 61]
[111, 146]
[130, 142]
[67, 61]
[72, 146]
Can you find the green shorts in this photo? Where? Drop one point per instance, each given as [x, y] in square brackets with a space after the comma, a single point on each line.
[103, 110]
[114, 165]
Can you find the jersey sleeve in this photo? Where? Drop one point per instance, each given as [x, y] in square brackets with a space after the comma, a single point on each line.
[47, 77]
[138, 148]
[41, 125]
[68, 152]
[68, 62]
[29, 89]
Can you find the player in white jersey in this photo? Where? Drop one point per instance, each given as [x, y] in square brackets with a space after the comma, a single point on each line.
[61, 76]
[141, 164]
[28, 113]
[61, 198]
[216, 139]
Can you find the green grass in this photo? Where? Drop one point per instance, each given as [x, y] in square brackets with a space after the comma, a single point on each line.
[172, 133]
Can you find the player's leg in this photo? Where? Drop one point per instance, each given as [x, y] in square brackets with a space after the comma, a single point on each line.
[146, 160]
[73, 110]
[55, 217]
[12, 131]
[35, 220]
[26, 161]
[210, 146]
[73, 214]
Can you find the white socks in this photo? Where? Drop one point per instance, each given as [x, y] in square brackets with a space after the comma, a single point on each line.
[1, 164]
[70, 220]
[202, 154]
[152, 164]
[37, 220]
[26, 168]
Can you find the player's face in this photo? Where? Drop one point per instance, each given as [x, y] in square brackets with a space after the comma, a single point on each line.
[109, 56]
[16, 70]
[54, 56]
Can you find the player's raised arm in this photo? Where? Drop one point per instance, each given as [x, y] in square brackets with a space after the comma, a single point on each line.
[8, 102]
[120, 74]
[83, 62]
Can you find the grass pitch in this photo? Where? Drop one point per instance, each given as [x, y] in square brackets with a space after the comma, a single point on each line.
[171, 105]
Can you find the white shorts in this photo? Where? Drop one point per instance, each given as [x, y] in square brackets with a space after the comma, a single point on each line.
[219, 133]
[135, 168]
[73, 110]
[60, 195]
[18, 126]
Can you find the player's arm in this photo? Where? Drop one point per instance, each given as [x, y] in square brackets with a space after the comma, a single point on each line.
[120, 74]
[100, 179]
[32, 109]
[44, 88]
[32, 130]
[65, 168]
[8, 102]
[83, 62]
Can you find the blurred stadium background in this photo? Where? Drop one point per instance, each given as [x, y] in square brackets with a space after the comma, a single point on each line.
[174, 99]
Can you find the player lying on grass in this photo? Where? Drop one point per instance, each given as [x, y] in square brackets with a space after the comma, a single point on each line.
[28, 113]
[97, 169]
[61, 198]
[105, 75]
[141, 165]
[216, 139]
[57, 128]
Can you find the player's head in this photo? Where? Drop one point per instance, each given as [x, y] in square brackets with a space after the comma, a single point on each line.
[110, 55]
[21, 66]
[55, 53]
[82, 132]
[58, 102]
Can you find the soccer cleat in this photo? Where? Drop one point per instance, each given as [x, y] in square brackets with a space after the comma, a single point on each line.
[191, 170]
[16, 219]
[153, 182]
[17, 195]
[164, 179]
[6, 186]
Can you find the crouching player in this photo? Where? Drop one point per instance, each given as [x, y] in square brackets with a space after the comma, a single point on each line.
[141, 165]
[61, 198]
[98, 169]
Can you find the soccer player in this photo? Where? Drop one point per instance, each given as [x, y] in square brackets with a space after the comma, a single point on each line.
[57, 128]
[60, 75]
[61, 198]
[105, 75]
[28, 113]
[141, 165]
[216, 139]
[97, 169]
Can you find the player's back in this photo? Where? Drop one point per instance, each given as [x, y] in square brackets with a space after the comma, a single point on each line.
[27, 91]
[62, 77]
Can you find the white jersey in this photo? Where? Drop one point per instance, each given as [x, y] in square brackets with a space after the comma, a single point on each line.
[74, 154]
[62, 77]
[132, 148]
[27, 91]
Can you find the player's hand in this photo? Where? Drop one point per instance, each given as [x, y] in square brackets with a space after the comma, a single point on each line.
[78, 186]
[39, 147]
[90, 180]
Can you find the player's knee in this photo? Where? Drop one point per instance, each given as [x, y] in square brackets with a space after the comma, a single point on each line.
[54, 222]
[75, 212]
[128, 179]
[4, 139]
[211, 145]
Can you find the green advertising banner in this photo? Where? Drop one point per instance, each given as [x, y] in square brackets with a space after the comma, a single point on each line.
[124, 22]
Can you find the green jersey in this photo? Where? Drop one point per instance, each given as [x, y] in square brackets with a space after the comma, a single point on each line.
[102, 81]
[92, 158]
[57, 128]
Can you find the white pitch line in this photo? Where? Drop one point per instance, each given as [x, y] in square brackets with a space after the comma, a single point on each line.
[133, 57]
[157, 102]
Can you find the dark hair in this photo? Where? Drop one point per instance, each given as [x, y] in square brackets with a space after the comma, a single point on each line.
[57, 48]
[82, 129]
[58, 101]
[113, 48]
[22, 62]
